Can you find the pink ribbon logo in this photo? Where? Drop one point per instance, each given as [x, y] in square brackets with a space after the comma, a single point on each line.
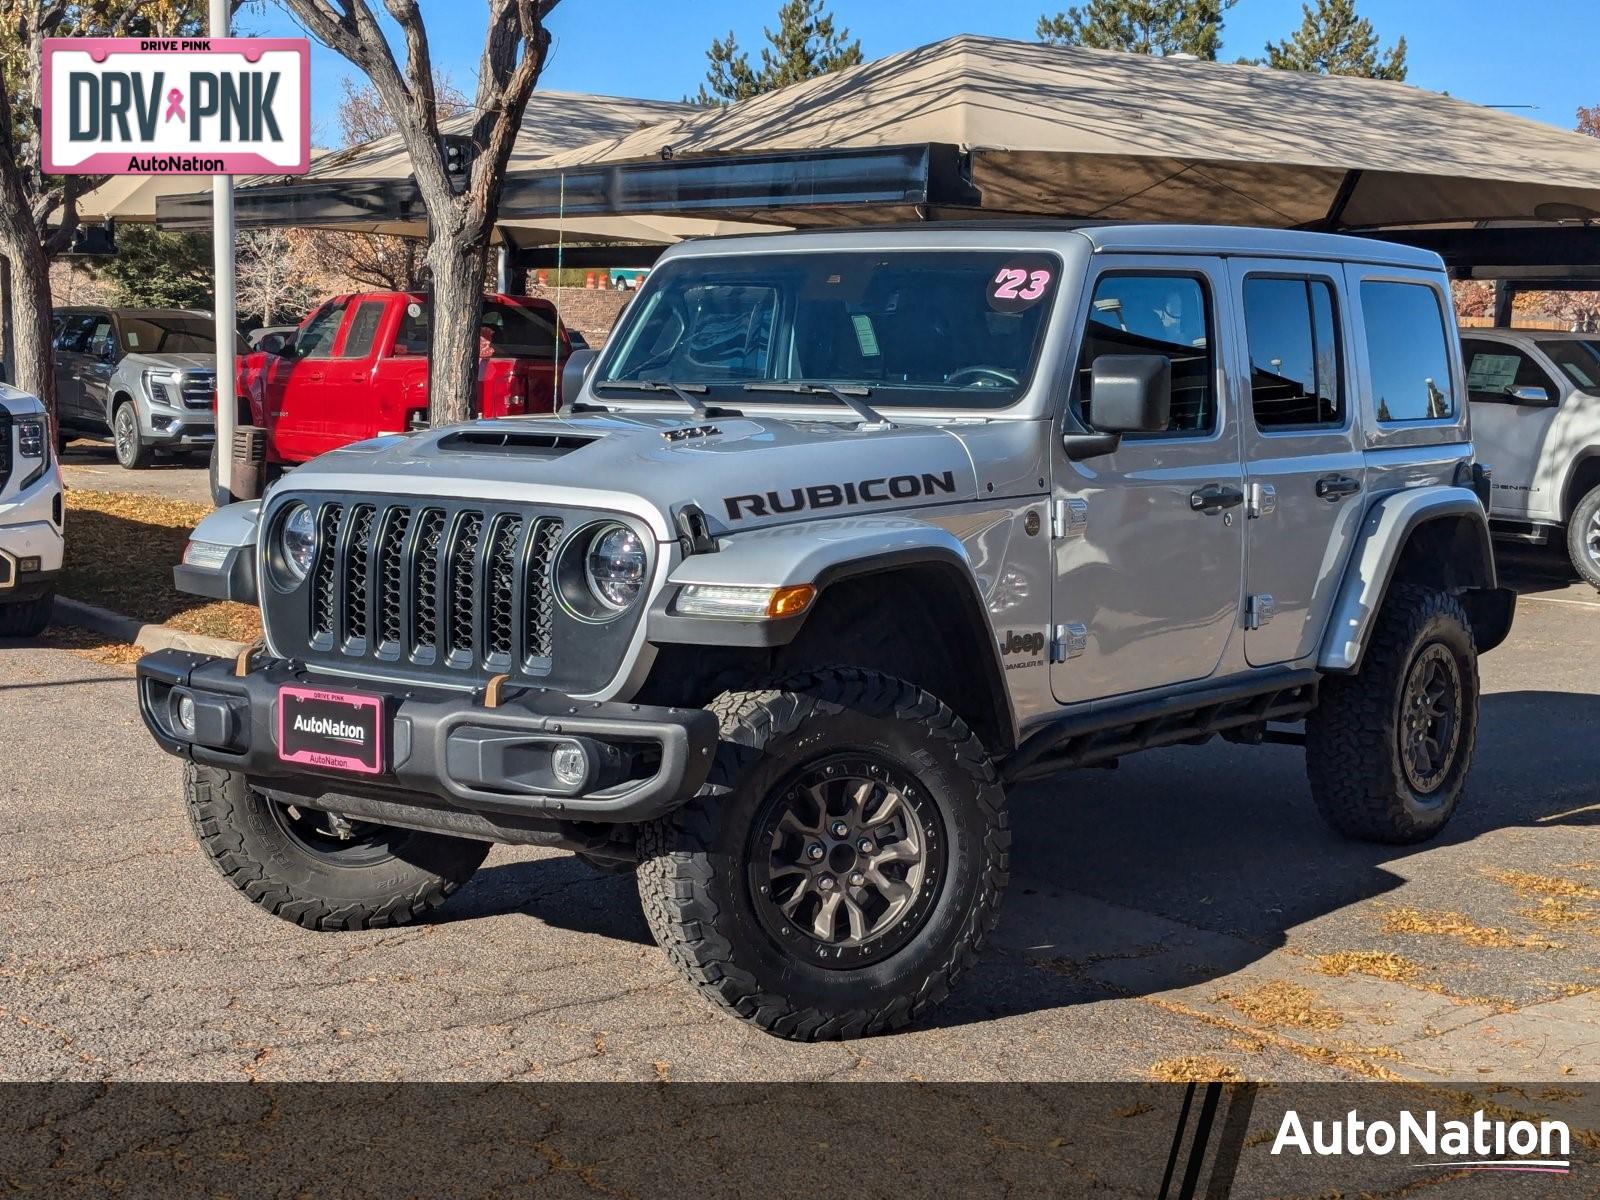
[175, 105]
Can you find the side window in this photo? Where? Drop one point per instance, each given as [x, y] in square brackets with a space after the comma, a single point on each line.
[1408, 352]
[102, 338]
[1294, 352]
[1577, 360]
[1495, 370]
[316, 339]
[1169, 315]
[363, 329]
[75, 335]
[413, 335]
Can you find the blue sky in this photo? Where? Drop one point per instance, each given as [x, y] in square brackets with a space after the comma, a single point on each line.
[1487, 52]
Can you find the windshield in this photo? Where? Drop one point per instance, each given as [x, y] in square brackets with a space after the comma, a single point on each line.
[1579, 361]
[171, 335]
[924, 328]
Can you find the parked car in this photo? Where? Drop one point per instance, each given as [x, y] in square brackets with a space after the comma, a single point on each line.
[145, 377]
[841, 535]
[271, 338]
[31, 517]
[358, 367]
[1536, 419]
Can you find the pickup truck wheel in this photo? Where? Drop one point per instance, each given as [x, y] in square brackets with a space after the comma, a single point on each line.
[132, 453]
[26, 618]
[842, 866]
[1388, 749]
[320, 872]
[1583, 537]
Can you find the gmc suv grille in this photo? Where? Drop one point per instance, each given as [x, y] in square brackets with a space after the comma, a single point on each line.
[199, 389]
[433, 586]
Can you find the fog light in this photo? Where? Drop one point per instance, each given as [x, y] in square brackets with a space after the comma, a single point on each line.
[183, 713]
[569, 764]
[29, 565]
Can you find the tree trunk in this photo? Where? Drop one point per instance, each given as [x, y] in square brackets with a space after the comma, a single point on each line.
[458, 266]
[34, 369]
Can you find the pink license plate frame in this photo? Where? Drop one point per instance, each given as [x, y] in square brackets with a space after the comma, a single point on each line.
[332, 758]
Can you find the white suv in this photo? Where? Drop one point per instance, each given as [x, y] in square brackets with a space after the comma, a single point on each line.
[30, 516]
[1536, 420]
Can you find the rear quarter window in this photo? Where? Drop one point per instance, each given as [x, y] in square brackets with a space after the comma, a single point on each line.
[1408, 352]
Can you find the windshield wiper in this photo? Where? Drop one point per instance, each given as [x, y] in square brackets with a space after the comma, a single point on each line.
[850, 397]
[689, 393]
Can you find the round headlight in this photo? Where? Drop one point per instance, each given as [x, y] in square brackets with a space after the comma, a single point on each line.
[615, 566]
[297, 542]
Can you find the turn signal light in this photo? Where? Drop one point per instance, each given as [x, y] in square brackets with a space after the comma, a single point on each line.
[791, 601]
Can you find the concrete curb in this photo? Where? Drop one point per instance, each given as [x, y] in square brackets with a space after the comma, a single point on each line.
[146, 637]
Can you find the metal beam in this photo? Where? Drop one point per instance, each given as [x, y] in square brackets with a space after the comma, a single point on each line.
[534, 258]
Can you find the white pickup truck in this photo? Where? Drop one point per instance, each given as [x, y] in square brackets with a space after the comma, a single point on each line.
[1535, 398]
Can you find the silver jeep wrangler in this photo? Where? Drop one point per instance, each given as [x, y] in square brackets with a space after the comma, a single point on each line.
[842, 535]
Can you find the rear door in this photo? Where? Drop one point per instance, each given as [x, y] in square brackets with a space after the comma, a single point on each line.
[1148, 575]
[1512, 434]
[1305, 475]
[69, 363]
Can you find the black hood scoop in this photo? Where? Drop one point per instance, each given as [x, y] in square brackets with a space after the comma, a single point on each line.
[520, 443]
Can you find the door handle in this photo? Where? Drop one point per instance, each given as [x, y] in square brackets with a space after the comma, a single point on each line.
[1337, 487]
[315, 376]
[1214, 497]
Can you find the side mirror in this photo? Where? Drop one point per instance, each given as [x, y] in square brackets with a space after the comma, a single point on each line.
[1528, 394]
[573, 373]
[1127, 393]
[1130, 393]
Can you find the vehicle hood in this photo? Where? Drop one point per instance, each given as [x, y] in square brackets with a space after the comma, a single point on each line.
[742, 472]
[174, 361]
[19, 404]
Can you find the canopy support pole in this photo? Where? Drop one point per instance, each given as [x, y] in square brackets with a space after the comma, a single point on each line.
[1341, 201]
[224, 305]
[1505, 297]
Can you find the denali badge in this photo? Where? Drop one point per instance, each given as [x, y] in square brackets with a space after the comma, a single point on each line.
[833, 495]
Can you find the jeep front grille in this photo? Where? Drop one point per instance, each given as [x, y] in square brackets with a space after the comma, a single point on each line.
[430, 585]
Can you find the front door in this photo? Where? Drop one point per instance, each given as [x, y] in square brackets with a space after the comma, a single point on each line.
[297, 386]
[1305, 476]
[69, 364]
[1511, 428]
[101, 353]
[1149, 557]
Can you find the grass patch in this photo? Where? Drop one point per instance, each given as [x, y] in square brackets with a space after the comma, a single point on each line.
[1284, 1005]
[121, 549]
[1455, 925]
[1194, 1068]
[1555, 911]
[1380, 964]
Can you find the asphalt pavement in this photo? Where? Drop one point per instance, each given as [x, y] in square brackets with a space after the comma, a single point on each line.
[92, 466]
[1185, 915]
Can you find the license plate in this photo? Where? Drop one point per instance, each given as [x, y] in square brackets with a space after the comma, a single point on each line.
[339, 730]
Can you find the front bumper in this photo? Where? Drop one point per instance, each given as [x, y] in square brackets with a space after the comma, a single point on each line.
[446, 748]
[183, 428]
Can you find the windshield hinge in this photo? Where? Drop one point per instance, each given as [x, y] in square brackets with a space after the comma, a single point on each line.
[694, 531]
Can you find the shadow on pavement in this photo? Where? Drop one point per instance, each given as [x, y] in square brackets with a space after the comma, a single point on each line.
[1221, 841]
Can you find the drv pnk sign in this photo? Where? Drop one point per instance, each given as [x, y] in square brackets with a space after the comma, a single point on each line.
[177, 106]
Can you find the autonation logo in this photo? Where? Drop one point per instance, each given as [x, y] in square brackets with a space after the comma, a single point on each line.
[327, 727]
[1480, 1144]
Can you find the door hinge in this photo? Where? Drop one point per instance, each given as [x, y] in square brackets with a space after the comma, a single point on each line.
[1258, 610]
[1070, 640]
[1261, 500]
[1069, 518]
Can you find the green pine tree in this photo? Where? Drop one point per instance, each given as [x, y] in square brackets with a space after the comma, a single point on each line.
[160, 270]
[1160, 27]
[806, 44]
[1332, 40]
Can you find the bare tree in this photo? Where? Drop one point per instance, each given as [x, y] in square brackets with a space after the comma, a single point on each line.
[279, 274]
[379, 260]
[460, 223]
[39, 213]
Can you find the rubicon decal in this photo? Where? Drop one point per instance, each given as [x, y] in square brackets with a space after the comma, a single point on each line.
[192, 106]
[1478, 1144]
[838, 495]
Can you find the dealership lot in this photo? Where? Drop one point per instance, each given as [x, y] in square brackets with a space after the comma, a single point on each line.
[1185, 914]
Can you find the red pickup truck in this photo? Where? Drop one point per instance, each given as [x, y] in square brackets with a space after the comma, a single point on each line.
[358, 367]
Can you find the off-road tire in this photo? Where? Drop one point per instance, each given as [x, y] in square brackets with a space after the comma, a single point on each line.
[1584, 525]
[693, 879]
[1353, 754]
[245, 841]
[26, 618]
[127, 444]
